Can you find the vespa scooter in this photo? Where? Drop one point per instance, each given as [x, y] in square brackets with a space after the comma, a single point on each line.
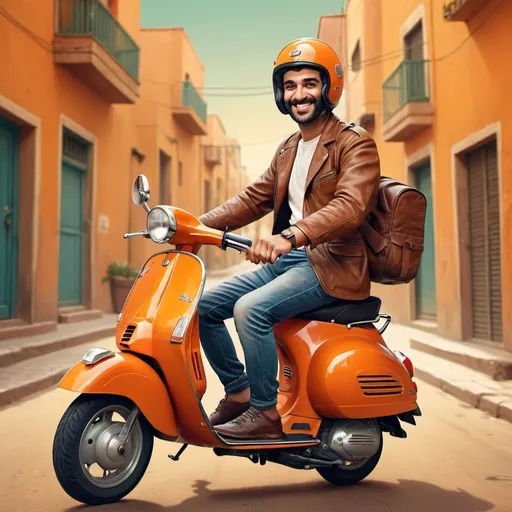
[340, 386]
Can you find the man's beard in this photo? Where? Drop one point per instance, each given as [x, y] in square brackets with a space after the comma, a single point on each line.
[318, 109]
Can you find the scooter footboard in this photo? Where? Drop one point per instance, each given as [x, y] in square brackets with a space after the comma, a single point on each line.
[129, 376]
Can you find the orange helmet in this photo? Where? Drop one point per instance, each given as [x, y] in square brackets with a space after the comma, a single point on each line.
[311, 53]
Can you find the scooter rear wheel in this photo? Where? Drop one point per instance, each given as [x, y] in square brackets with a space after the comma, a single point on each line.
[86, 438]
[350, 475]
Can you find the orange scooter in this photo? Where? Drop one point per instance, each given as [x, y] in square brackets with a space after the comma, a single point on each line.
[340, 386]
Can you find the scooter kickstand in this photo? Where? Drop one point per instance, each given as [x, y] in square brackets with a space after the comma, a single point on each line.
[180, 451]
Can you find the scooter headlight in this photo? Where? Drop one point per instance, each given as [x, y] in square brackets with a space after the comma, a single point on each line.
[161, 224]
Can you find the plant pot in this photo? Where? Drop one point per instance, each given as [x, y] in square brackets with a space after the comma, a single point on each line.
[119, 289]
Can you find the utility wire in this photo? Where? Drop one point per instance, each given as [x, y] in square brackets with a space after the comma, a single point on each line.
[385, 57]
[46, 45]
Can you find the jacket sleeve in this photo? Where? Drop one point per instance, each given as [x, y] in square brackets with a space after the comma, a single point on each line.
[354, 197]
[250, 205]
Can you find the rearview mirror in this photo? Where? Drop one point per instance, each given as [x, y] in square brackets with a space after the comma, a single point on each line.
[140, 191]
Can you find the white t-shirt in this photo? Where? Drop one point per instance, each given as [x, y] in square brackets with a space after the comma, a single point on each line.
[297, 185]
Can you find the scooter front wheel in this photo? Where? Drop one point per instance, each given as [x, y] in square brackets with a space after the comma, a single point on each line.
[89, 462]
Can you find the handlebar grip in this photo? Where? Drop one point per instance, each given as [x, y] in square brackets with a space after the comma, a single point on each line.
[228, 237]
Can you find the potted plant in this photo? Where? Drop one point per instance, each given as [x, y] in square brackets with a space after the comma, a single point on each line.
[121, 277]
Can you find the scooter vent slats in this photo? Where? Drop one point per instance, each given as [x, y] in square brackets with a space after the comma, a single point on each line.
[287, 371]
[380, 385]
[127, 335]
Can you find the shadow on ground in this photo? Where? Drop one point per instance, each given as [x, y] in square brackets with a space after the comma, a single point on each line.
[369, 496]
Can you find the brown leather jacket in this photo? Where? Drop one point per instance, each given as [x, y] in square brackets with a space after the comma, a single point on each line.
[341, 190]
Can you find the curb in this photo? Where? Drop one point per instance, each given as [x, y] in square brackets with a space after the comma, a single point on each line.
[472, 393]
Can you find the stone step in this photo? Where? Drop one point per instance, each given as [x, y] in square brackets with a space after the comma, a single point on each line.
[25, 378]
[78, 315]
[490, 361]
[66, 336]
[470, 386]
[19, 329]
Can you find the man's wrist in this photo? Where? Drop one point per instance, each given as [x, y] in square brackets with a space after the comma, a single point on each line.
[300, 237]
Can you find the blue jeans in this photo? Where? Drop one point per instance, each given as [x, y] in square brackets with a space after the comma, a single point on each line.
[257, 300]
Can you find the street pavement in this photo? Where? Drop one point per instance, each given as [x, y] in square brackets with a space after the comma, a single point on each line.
[457, 459]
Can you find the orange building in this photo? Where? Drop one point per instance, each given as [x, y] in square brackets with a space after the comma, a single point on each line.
[223, 177]
[69, 80]
[189, 160]
[170, 120]
[429, 81]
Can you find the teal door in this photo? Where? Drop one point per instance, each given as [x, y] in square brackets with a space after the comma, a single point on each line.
[9, 146]
[426, 306]
[71, 233]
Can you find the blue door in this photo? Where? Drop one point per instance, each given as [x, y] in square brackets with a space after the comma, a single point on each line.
[426, 306]
[71, 234]
[9, 147]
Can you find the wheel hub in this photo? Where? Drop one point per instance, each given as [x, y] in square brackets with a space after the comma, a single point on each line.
[101, 445]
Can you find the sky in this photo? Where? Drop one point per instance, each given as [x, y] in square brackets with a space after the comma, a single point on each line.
[237, 42]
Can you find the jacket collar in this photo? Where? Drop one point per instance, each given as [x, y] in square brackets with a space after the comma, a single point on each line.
[289, 151]
[328, 133]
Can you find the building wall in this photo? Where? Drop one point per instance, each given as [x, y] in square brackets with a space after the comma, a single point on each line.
[166, 58]
[331, 29]
[468, 89]
[33, 87]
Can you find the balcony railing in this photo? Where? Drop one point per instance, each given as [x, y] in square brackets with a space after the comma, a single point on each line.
[213, 154]
[407, 84]
[92, 18]
[191, 98]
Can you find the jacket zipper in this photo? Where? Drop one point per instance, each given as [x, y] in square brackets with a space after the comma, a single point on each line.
[324, 178]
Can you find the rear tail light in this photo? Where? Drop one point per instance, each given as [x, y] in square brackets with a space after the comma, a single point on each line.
[406, 362]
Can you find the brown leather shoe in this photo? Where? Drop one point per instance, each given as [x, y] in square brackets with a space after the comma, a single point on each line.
[252, 424]
[228, 410]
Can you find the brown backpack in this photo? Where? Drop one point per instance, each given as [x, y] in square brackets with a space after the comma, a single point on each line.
[394, 233]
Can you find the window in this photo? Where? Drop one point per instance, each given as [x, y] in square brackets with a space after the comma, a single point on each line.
[413, 43]
[165, 179]
[356, 58]
[207, 196]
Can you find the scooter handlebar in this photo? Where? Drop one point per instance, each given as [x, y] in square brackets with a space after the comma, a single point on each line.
[240, 243]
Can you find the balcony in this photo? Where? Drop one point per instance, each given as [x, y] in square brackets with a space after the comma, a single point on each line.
[191, 113]
[407, 107]
[462, 10]
[92, 43]
[212, 155]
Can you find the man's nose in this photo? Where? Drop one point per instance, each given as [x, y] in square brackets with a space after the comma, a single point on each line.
[301, 93]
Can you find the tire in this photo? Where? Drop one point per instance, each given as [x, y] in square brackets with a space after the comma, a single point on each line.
[338, 475]
[70, 444]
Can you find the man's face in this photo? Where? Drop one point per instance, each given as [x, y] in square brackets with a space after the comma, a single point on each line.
[303, 94]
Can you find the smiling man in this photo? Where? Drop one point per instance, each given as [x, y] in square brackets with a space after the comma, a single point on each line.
[321, 184]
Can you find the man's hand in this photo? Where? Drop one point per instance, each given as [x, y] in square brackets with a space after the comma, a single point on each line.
[268, 248]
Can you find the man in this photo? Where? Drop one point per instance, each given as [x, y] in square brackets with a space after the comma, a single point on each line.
[321, 184]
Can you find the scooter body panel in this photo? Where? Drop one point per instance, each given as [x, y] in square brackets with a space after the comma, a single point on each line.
[328, 370]
[155, 305]
[129, 376]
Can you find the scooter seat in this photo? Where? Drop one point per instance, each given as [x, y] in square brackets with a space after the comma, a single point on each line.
[345, 311]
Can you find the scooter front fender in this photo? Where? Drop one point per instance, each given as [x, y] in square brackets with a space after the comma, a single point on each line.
[127, 375]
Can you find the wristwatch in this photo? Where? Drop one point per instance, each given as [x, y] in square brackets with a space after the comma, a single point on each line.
[289, 235]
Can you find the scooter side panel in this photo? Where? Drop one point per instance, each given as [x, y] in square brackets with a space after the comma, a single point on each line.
[126, 375]
[353, 377]
[323, 368]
